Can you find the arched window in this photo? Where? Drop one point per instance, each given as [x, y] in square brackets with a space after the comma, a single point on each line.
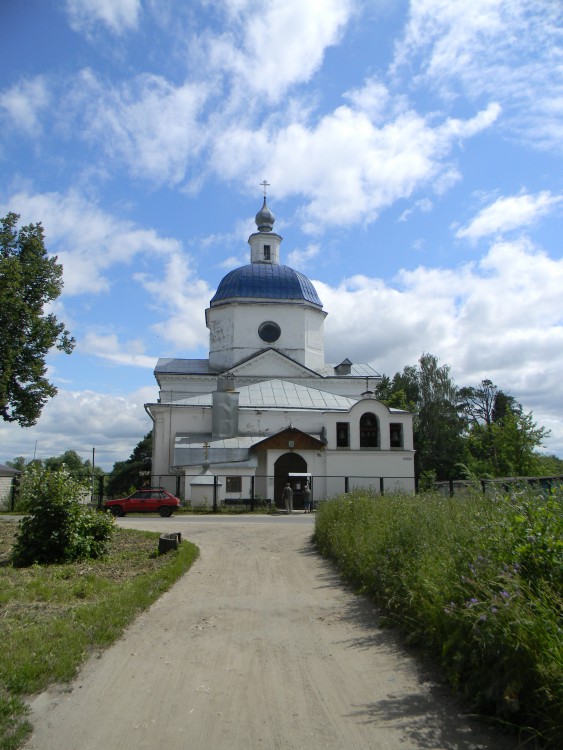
[369, 431]
[396, 435]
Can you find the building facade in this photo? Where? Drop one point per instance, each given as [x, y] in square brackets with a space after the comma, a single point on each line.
[265, 408]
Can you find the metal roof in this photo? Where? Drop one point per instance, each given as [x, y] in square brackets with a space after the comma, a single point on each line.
[188, 452]
[356, 369]
[268, 281]
[171, 366]
[280, 394]
[183, 366]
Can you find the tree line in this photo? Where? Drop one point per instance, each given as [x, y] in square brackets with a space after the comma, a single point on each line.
[124, 477]
[474, 430]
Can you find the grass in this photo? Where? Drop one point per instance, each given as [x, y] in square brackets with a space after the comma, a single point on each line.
[54, 616]
[476, 581]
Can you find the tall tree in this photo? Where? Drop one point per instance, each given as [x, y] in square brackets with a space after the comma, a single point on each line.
[501, 438]
[438, 425]
[29, 280]
[430, 392]
[483, 406]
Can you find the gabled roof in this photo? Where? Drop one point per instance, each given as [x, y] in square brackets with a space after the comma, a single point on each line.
[260, 360]
[172, 366]
[291, 438]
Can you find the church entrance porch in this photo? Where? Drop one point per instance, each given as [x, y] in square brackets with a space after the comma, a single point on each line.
[289, 463]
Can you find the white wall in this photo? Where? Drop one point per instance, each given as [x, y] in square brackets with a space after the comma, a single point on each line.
[234, 332]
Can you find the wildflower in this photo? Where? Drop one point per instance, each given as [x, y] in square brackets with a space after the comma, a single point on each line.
[483, 618]
[505, 594]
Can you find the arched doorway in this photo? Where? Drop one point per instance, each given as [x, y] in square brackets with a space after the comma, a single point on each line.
[286, 464]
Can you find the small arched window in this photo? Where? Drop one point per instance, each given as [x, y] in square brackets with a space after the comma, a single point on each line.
[369, 431]
[396, 435]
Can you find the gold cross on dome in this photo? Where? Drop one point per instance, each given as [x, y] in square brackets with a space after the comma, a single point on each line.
[265, 185]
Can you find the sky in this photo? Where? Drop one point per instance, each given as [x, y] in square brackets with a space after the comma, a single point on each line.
[414, 151]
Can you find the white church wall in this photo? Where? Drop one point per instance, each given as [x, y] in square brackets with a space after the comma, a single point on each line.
[234, 332]
[365, 468]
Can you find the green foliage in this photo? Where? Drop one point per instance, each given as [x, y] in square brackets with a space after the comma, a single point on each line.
[76, 466]
[429, 391]
[59, 528]
[549, 465]
[427, 480]
[126, 474]
[480, 427]
[29, 279]
[501, 439]
[475, 579]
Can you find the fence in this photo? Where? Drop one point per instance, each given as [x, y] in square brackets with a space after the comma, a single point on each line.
[256, 490]
[457, 486]
[251, 491]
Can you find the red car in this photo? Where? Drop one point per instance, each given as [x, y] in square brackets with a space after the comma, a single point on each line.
[145, 501]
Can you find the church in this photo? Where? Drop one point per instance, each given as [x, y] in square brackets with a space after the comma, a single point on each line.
[265, 408]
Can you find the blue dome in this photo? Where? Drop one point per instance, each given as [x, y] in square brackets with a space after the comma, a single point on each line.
[266, 281]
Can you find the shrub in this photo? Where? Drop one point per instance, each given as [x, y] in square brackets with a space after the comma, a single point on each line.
[58, 528]
[477, 580]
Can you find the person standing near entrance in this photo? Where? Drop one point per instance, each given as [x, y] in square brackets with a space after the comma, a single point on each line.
[307, 498]
[288, 498]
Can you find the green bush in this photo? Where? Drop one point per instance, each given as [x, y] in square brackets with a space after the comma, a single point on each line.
[59, 528]
[474, 579]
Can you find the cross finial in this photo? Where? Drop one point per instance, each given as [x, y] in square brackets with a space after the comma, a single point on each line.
[265, 185]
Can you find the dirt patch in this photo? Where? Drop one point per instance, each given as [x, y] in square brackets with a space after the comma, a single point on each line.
[257, 646]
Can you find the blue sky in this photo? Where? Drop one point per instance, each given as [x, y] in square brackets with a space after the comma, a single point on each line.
[414, 152]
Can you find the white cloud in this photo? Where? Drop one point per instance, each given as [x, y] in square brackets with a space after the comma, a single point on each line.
[372, 98]
[182, 298]
[87, 240]
[25, 102]
[81, 420]
[117, 15]
[424, 205]
[273, 45]
[108, 346]
[506, 49]
[301, 258]
[499, 319]
[348, 168]
[148, 123]
[512, 212]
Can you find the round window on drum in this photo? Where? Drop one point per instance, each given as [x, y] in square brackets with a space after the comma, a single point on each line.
[269, 332]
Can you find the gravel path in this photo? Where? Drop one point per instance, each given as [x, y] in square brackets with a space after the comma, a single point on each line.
[257, 646]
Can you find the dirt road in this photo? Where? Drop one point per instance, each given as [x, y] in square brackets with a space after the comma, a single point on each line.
[258, 646]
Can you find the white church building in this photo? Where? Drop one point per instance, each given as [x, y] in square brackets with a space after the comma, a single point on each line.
[265, 408]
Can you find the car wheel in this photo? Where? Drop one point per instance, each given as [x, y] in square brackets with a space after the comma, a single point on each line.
[117, 510]
[165, 511]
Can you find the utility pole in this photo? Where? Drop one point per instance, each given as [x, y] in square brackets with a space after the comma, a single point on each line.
[93, 469]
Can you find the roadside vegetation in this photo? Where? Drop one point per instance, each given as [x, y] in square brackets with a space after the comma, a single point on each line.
[476, 581]
[54, 616]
